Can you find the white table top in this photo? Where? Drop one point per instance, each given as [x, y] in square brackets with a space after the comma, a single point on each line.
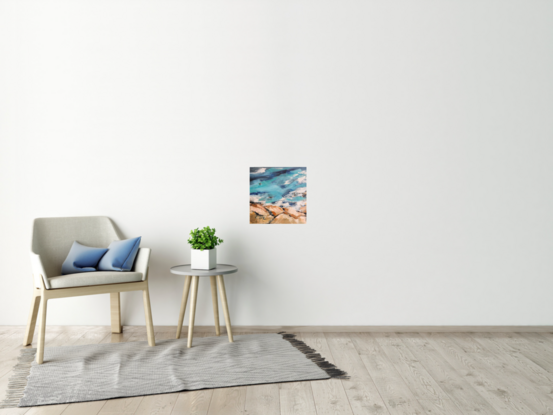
[221, 269]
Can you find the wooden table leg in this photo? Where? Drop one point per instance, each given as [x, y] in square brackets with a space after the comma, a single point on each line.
[223, 293]
[215, 304]
[193, 298]
[183, 304]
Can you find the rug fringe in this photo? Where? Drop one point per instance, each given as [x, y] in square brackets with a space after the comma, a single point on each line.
[18, 381]
[315, 357]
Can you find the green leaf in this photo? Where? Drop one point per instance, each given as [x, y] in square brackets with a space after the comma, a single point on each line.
[204, 238]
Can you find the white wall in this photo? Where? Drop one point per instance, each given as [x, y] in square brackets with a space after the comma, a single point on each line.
[426, 127]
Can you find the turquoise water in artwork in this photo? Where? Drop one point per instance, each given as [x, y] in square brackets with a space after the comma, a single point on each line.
[279, 186]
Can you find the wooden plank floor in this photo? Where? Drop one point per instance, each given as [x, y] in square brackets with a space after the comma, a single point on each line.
[391, 373]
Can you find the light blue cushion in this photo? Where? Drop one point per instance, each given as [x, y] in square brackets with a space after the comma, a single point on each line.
[120, 255]
[82, 258]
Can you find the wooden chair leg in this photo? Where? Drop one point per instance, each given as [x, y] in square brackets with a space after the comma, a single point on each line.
[193, 298]
[148, 314]
[215, 304]
[42, 330]
[31, 324]
[223, 293]
[115, 305]
[183, 304]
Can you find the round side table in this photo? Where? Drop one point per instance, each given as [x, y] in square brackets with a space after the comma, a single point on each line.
[193, 277]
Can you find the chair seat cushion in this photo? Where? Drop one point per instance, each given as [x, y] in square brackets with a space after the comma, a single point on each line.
[93, 278]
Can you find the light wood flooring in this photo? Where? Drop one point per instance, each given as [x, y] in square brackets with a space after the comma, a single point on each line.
[391, 373]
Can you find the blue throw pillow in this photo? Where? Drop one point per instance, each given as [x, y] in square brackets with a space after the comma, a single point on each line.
[82, 259]
[120, 255]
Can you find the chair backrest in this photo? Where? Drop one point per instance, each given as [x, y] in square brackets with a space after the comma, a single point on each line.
[53, 237]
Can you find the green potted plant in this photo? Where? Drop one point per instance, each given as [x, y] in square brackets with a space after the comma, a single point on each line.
[203, 243]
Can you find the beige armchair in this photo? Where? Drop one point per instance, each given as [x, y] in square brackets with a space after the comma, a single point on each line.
[51, 242]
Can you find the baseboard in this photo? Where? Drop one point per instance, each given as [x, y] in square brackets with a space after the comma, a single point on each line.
[366, 329]
[339, 329]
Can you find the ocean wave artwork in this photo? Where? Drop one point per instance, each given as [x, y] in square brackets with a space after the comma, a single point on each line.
[278, 195]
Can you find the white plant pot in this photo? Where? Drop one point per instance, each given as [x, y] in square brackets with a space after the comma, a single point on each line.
[206, 259]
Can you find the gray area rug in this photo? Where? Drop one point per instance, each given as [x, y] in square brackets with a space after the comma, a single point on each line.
[105, 371]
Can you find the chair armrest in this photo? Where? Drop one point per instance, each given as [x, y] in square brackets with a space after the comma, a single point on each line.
[142, 261]
[39, 274]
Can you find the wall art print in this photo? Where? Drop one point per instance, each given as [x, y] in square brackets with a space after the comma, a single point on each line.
[278, 195]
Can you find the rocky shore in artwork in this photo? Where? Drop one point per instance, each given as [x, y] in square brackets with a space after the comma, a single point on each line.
[260, 213]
